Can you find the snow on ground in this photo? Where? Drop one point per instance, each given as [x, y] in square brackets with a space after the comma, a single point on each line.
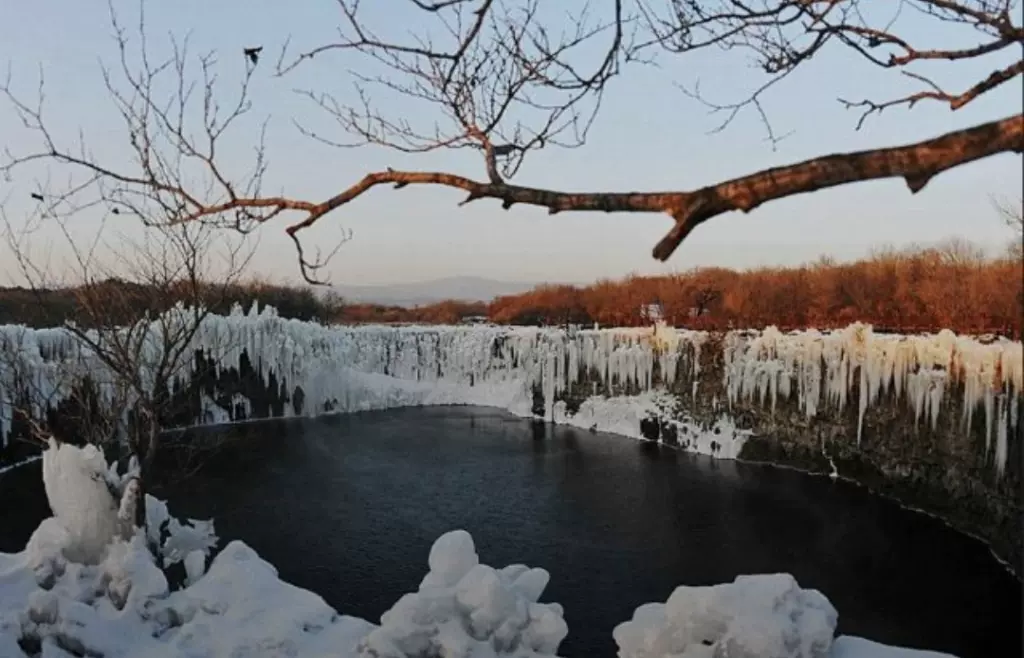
[464, 608]
[84, 586]
[762, 616]
[624, 415]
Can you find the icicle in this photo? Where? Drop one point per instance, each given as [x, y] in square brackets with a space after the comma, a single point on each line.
[1002, 448]
[818, 369]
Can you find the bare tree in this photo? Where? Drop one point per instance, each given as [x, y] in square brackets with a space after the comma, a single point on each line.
[139, 305]
[509, 78]
[1012, 214]
[958, 251]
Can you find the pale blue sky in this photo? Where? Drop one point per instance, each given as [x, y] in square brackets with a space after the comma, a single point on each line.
[649, 136]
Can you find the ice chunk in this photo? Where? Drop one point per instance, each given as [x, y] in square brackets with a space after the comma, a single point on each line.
[195, 566]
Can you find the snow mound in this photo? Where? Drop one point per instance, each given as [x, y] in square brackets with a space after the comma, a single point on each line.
[467, 609]
[122, 608]
[75, 480]
[761, 616]
[93, 505]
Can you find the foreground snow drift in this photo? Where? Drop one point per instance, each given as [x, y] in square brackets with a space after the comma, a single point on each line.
[86, 586]
[123, 608]
[764, 616]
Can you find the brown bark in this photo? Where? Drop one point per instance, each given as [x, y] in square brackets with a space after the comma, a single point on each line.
[916, 163]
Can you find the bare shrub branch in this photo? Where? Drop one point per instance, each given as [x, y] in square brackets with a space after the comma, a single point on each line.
[175, 116]
[129, 339]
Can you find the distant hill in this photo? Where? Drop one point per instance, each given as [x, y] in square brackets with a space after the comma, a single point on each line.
[463, 288]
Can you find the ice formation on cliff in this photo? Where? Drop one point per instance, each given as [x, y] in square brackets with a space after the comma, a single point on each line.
[342, 368]
[116, 603]
[918, 369]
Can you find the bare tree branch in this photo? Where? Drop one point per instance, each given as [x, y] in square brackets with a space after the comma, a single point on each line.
[139, 305]
[916, 163]
[500, 81]
[784, 35]
[508, 78]
[174, 116]
[955, 101]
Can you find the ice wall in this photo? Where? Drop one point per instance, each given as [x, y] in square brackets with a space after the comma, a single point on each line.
[371, 367]
[822, 370]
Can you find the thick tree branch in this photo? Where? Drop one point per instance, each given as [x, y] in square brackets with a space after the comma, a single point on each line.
[916, 163]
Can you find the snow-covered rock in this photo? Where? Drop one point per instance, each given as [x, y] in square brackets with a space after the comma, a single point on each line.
[465, 609]
[75, 480]
[122, 608]
[762, 616]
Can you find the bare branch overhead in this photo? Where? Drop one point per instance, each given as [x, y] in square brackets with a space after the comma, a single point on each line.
[503, 77]
[509, 78]
[783, 35]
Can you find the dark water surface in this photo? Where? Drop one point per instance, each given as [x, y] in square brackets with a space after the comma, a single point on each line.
[349, 506]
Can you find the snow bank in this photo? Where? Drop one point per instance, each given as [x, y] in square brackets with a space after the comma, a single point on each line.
[122, 608]
[760, 616]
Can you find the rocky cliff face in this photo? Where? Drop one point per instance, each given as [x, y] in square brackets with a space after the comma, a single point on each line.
[931, 421]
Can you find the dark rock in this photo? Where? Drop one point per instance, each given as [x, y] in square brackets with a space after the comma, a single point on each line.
[649, 428]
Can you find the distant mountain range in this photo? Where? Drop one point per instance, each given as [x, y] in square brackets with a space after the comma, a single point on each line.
[463, 288]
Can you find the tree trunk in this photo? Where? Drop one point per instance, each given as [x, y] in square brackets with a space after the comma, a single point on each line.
[145, 451]
[140, 494]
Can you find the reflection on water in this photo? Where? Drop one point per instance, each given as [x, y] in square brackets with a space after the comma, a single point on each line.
[348, 506]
